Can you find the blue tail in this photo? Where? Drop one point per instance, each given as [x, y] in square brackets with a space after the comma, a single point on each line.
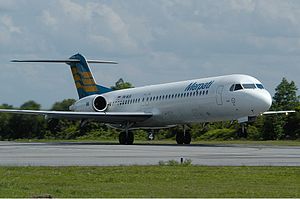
[84, 79]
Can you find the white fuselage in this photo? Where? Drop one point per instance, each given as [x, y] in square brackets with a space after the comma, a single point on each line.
[200, 100]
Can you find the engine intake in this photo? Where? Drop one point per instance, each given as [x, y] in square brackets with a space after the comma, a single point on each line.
[91, 103]
[99, 103]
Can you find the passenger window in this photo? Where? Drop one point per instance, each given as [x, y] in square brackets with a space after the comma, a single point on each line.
[206, 92]
[238, 87]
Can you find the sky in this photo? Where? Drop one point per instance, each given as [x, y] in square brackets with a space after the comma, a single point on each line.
[154, 41]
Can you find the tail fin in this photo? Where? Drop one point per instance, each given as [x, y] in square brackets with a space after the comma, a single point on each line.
[82, 74]
[83, 78]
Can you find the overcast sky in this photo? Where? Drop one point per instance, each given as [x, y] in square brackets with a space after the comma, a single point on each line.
[153, 41]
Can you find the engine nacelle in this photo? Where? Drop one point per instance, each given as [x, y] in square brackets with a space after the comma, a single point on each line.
[92, 103]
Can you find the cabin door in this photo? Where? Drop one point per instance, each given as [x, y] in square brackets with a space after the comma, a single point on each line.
[219, 98]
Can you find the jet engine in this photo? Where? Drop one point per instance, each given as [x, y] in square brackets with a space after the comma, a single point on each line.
[96, 103]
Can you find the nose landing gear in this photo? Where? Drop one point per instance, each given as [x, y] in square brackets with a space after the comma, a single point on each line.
[242, 132]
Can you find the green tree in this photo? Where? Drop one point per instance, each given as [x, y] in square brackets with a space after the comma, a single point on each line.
[62, 128]
[120, 84]
[30, 105]
[63, 105]
[5, 130]
[285, 98]
[27, 126]
[292, 126]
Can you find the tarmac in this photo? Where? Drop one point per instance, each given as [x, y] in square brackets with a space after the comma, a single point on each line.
[99, 154]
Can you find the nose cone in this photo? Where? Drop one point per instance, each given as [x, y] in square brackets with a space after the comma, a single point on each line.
[264, 101]
[268, 100]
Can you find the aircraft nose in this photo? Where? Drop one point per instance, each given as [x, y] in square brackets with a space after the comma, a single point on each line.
[265, 101]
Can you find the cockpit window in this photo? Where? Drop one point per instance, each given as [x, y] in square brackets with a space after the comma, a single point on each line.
[260, 86]
[238, 87]
[249, 86]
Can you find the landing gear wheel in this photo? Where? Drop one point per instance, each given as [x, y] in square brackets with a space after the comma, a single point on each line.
[242, 132]
[187, 137]
[123, 139]
[179, 137]
[130, 137]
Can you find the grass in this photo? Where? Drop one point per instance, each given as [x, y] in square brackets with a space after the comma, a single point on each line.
[247, 142]
[150, 181]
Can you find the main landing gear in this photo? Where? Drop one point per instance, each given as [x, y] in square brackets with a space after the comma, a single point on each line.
[183, 137]
[126, 136]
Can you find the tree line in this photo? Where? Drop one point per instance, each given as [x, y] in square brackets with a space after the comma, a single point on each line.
[270, 127]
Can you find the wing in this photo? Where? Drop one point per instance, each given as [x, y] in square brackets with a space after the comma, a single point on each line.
[105, 117]
[278, 112]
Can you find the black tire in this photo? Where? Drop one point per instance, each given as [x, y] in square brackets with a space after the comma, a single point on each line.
[242, 132]
[126, 140]
[130, 138]
[187, 137]
[179, 137]
[122, 137]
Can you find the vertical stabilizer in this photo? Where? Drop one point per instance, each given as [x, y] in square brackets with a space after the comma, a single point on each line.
[83, 78]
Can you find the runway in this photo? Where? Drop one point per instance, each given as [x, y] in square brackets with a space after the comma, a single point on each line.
[99, 154]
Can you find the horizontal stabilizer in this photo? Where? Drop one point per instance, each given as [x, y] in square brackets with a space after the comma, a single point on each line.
[64, 61]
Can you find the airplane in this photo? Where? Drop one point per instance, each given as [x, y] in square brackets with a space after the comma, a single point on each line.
[222, 98]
